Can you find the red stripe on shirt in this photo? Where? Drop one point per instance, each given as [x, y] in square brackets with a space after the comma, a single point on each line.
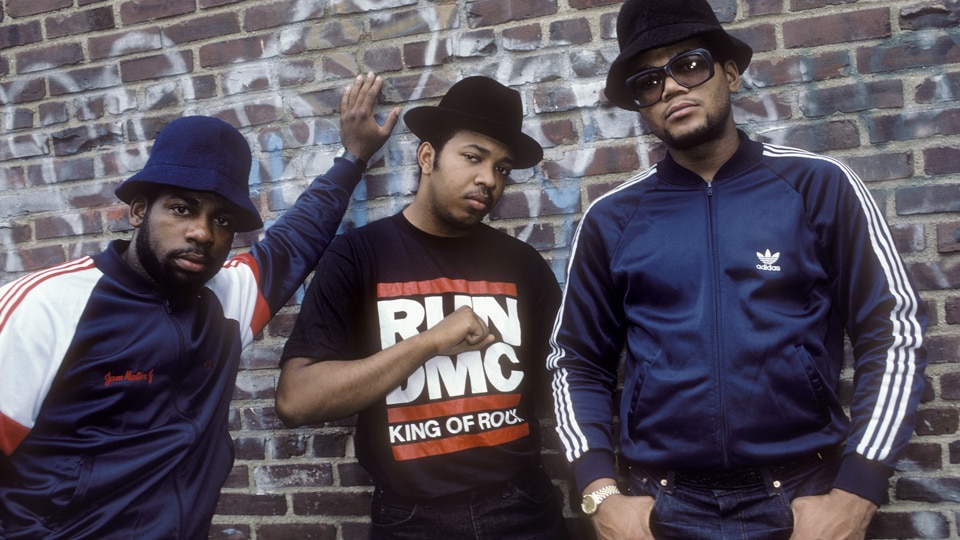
[445, 285]
[261, 311]
[20, 288]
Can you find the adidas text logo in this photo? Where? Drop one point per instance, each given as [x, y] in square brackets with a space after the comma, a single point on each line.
[767, 259]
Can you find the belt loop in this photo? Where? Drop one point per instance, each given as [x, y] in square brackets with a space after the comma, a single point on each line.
[772, 483]
[668, 483]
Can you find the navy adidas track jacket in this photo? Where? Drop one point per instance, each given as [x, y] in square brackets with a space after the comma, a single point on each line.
[730, 300]
[114, 403]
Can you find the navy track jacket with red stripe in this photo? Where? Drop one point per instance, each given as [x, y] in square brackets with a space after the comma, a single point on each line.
[114, 403]
[729, 300]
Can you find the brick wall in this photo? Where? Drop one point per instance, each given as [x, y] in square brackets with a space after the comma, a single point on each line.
[85, 85]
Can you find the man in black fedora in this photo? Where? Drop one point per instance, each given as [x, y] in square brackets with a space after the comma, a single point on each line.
[433, 327]
[726, 275]
[118, 368]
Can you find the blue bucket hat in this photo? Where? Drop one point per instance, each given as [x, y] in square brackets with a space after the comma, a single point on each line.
[200, 153]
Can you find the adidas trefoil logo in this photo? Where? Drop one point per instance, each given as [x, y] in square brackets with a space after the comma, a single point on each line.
[768, 259]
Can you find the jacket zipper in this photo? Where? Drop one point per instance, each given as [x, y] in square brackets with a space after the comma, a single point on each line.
[715, 254]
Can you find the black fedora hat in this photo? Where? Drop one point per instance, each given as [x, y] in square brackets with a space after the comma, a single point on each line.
[200, 153]
[643, 25]
[485, 106]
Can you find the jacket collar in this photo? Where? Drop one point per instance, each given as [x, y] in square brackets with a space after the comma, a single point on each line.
[746, 156]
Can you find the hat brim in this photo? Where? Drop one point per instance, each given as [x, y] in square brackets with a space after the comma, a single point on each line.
[194, 179]
[717, 41]
[427, 120]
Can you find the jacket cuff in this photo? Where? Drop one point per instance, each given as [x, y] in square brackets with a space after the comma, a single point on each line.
[593, 465]
[863, 477]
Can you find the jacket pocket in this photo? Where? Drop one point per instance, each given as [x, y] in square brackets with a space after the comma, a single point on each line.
[67, 496]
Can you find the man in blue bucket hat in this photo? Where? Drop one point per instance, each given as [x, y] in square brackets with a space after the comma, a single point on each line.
[725, 278]
[119, 368]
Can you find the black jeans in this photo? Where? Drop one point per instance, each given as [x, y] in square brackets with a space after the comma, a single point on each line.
[525, 508]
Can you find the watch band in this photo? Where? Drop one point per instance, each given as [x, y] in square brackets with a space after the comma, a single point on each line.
[349, 156]
[591, 501]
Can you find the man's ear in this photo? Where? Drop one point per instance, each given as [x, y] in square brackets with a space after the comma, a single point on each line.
[732, 72]
[425, 156]
[137, 210]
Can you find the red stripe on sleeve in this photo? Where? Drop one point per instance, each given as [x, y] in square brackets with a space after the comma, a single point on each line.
[11, 434]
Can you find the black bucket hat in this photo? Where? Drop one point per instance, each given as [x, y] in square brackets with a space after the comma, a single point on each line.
[485, 106]
[200, 153]
[643, 25]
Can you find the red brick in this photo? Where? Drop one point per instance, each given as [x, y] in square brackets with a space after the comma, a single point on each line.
[938, 88]
[234, 51]
[238, 478]
[63, 170]
[935, 421]
[757, 8]
[22, 91]
[427, 53]
[929, 15]
[522, 38]
[269, 15]
[248, 114]
[801, 5]
[941, 160]
[51, 57]
[804, 68]
[18, 118]
[120, 44]
[382, 59]
[31, 259]
[81, 22]
[920, 524]
[570, 32]
[14, 35]
[296, 72]
[412, 22]
[492, 12]
[851, 98]
[598, 161]
[587, 4]
[80, 139]
[157, 66]
[951, 309]
[24, 8]
[885, 166]
[219, 25]
[138, 11]
[913, 125]
[817, 136]
[12, 178]
[68, 225]
[948, 237]
[244, 504]
[329, 503]
[908, 54]
[527, 204]
[856, 25]
[229, 531]
[269, 478]
[300, 531]
[250, 448]
[323, 36]
[84, 79]
[765, 107]
[22, 146]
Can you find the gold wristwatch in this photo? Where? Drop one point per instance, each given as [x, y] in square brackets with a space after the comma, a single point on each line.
[591, 501]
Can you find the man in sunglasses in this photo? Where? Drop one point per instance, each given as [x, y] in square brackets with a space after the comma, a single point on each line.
[725, 278]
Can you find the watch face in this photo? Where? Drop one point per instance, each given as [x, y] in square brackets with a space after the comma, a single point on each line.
[589, 505]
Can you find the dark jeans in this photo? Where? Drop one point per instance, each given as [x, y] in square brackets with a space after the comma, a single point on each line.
[526, 508]
[692, 511]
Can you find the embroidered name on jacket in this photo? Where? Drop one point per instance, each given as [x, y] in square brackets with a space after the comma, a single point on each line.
[455, 403]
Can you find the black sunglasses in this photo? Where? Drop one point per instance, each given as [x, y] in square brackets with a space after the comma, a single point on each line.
[689, 69]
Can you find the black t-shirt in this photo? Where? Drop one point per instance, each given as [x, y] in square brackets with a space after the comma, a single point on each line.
[457, 422]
